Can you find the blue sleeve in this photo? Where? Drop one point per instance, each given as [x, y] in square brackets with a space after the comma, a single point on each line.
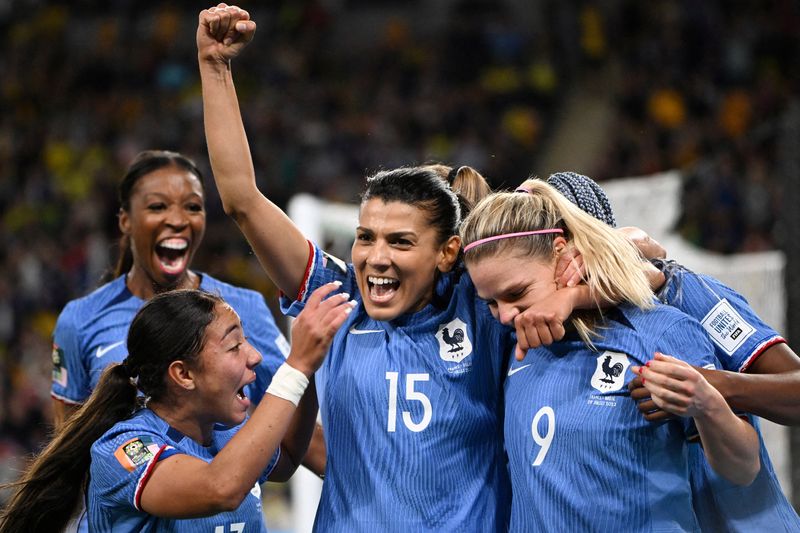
[323, 268]
[71, 382]
[738, 334]
[122, 464]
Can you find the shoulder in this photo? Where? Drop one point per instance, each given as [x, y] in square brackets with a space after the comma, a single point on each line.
[235, 296]
[85, 308]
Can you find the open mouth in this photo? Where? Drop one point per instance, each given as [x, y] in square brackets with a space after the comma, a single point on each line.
[172, 255]
[241, 395]
[382, 289]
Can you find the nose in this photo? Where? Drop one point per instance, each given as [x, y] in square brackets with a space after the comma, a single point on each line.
[254, 357]
[176, 217]
[379, 255]
[506, 313]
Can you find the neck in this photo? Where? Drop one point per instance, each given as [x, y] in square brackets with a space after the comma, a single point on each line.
[179, 416]
[145, 287]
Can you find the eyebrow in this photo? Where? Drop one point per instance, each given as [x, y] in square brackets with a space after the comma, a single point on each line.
[227, 331]
[394, 234]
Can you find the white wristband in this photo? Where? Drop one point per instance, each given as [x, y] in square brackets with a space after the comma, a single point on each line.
[288, 383]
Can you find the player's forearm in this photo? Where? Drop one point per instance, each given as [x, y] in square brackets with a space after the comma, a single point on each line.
[296, 442]
[280, 246]
[775, 397]
[730, 444]
[316, 458]
[237, 467]
[228, 148]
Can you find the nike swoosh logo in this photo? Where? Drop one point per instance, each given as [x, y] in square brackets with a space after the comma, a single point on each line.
[102, 350]
[355, 331]
[512, 371]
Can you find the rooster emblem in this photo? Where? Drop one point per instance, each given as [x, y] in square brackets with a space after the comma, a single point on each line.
[609, 374]
[611, 371]
[454, 341]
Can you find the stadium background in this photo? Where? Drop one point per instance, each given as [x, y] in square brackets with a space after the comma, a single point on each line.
[334, 89]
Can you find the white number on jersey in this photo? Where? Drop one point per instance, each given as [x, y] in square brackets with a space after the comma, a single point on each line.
[238, 527]
[411, 394]
[543, 440]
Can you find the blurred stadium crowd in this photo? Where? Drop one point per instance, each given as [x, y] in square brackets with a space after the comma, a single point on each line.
[700, 86]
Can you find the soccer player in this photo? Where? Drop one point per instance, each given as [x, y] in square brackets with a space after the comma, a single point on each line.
[759, 374]
[410, 393]
[580, 456]
[162, 219]
[163, 442]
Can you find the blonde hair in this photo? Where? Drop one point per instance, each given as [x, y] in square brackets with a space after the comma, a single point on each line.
[613, 269]
[469, 184]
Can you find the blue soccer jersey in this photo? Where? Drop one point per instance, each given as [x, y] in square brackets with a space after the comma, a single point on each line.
[124, 457]
[740, 337]
[581, 456]
[412, 414]
[91, 331]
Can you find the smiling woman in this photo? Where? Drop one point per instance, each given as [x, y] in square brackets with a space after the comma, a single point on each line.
[410, 392]
[162, 220]
[162, 443]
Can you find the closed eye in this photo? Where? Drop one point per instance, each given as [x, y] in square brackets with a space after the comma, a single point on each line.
[195, 207]
[157, 206]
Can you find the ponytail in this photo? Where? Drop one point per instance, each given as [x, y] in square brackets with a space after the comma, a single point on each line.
[469, 185]
[614, 272]
[46, 497]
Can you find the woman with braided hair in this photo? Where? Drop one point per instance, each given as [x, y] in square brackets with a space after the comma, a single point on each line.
[163, 442]
[580, 456]
[758, 373]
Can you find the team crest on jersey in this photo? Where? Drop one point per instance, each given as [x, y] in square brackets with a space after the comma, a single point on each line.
[454, 342]
[609, 375]
[136, 452]
[59, 371]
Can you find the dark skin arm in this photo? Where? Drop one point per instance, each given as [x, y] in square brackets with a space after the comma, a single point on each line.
[316, 457]
[770, 388]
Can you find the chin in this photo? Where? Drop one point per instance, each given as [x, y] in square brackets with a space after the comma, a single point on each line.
[383, 314]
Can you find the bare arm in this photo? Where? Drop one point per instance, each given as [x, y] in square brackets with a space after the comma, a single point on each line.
[182, 486]
[281, 248]
[295, 444]
[730, 443]
[316, 458]
[770, 388]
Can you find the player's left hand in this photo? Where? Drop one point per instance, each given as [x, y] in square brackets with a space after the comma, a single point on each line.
[645, 403]
[677, 387]
[569, 268]
[543, 322]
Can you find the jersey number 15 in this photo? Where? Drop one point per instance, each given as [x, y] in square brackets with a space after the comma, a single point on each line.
[411, 395]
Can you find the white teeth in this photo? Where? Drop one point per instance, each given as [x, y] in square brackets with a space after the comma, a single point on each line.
[380, 281]
[174, 244]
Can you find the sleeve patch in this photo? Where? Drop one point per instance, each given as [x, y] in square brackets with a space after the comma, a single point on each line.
[136, 452]
[726, 327]
[334, 263]
[59, 370]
